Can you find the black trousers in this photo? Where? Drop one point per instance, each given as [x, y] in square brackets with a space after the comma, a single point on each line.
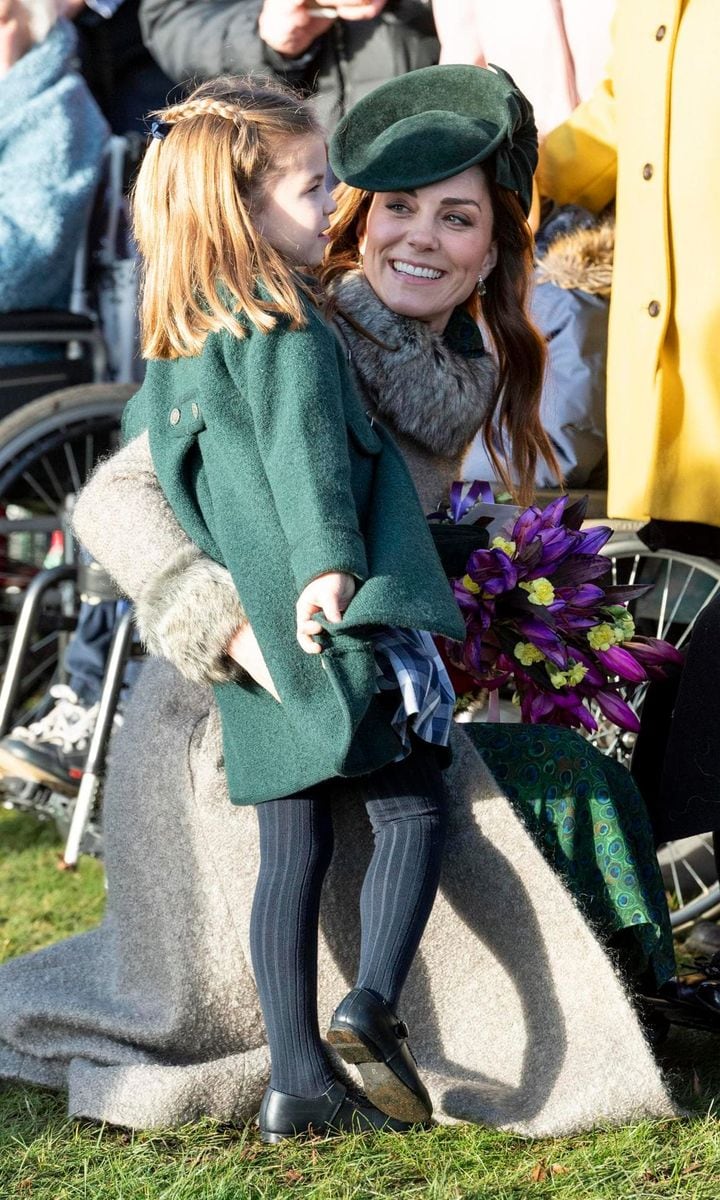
[676, 763]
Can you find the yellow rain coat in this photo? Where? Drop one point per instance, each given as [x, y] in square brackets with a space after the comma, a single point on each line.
[651, 132]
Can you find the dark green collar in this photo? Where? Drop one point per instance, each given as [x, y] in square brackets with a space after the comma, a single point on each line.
[463, 336]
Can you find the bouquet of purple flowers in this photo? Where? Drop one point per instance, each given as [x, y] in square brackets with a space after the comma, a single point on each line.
[542, 617]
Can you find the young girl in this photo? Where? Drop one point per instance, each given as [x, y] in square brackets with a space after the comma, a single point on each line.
[269, 462]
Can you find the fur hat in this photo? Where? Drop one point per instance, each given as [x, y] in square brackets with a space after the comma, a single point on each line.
[432, 124]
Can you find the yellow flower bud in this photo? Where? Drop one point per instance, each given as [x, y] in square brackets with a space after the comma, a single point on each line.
[557, 677]
[577, 673]
[470, 585]
[499, 543]
[540, 591]
[527, 654]
[601, 637]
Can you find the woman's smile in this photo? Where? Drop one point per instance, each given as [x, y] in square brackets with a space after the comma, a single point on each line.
[415, 272]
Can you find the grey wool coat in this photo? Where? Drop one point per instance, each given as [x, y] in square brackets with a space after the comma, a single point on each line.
[517, 1016]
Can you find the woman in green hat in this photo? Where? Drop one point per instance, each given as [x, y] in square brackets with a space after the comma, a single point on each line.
[403, 271]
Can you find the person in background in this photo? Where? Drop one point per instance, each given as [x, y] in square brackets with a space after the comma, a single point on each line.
[120, 72]
[638, 138]
[337, 56]
[556, 51]
[52, 137]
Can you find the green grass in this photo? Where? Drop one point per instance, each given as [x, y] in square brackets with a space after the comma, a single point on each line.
[45, 1156]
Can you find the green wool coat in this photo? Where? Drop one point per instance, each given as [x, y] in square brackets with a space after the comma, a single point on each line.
[269, 462]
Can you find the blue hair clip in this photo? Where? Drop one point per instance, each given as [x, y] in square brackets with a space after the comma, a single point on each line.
[159, 129]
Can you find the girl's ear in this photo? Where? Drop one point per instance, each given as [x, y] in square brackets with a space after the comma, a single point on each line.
[490, 260]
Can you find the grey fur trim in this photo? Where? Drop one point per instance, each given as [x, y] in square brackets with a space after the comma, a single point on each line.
[582, 260]
[187, 613]
[413, 362]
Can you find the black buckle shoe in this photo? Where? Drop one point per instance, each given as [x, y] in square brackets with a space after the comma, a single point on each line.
[692, 999]
[366, 1033]
[282, 1116]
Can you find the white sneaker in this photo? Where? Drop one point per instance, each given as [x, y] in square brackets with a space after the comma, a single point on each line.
[69, 723]
[52, 750]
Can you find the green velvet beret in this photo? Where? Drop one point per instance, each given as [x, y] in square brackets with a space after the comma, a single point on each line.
[434, 123]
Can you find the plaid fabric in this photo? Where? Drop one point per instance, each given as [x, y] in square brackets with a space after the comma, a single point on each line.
[408, 659]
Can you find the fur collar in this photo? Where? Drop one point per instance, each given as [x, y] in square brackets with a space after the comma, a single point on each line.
[433, 388]
[582, 259]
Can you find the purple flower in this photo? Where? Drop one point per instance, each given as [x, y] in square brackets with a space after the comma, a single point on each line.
[586, 595]
[619, 661]
[551, 545]
[655, 652]
[593, 540]
[616, 710]
[574, 514]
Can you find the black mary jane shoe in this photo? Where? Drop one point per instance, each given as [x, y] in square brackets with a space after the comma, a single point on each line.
[692, 999]
[282, 1116]
[366, 1033]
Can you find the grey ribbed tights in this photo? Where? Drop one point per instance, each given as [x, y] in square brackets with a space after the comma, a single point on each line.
[406, 805]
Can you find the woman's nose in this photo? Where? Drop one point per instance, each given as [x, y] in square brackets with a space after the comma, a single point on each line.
[422, 235]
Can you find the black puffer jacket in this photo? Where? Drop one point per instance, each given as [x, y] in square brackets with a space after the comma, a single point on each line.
[202, 38]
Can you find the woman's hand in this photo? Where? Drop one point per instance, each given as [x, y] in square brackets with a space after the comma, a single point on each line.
[15, 39]
[244, 650]
[329, 594]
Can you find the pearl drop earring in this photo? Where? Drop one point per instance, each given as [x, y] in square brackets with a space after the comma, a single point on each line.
[481, 289]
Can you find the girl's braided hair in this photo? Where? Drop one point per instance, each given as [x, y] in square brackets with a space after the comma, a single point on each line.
[201, 179]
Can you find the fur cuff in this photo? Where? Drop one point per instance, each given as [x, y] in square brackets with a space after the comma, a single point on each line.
[188, 614]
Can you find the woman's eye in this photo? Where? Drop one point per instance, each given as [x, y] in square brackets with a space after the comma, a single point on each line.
[397, 206]
[458, 219]
[315, 188]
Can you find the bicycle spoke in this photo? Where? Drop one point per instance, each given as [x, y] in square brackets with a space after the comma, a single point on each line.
[89, 454]
[40, 492]
[42, 642]
[60, 491]
[691, 624]
[664, 597]
[72, 466]
[677, 889]
[694, 875]
[676, 607]
[34, 674]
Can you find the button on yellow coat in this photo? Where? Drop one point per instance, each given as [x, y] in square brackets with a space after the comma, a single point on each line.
[660, 107]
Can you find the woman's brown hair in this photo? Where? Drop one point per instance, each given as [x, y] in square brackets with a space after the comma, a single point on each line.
[202, 256]
[513, 415]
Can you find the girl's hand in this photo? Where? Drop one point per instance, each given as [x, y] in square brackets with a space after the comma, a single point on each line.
[244, 650]
[329, 594]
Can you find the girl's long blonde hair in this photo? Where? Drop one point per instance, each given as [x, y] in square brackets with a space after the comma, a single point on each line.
[513, 415]
[202, 256]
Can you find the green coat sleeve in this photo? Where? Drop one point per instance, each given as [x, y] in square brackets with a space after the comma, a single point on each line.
[292, 384]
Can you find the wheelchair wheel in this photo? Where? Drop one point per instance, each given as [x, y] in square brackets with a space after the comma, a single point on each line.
[47, 450]
[683, 586]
